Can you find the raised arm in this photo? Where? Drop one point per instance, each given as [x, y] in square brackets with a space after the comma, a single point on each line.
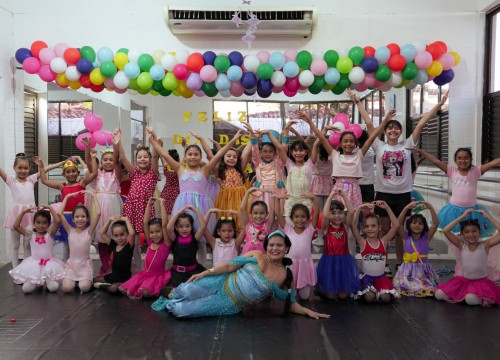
[376, 133]
[435, 221]
[64, 222]
[354, 225]
[245, 155]
[326, 212]
[394, 222]
[362, 111]
[51, 166]
[171, 223]
[207, 169]
[315, 208]
[423, 121]
[447, 231]
[243, 208]
[104, 230]
[130, 230]
[208, 235]
[90, 176]
[54, 228]
[43, 175]
[97, 213]
[349, 208]
[316, 131]
[402, 218]
[204, 145]
[279, 148]
[175, 165]
[117, 143]
[147, 217]
[3, 174]
[155, 157]
[277, 210]
[490, 165]
[424, 154]
[495, 240]
[203, 225]
[17, 224]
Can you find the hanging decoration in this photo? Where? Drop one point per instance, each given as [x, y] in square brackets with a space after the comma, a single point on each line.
[208, 74]
[252, 23]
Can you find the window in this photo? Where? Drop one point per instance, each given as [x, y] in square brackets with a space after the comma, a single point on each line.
[65, 123]
[138, 125]
[375, 106]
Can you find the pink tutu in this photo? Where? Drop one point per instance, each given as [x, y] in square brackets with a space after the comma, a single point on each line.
[322, 185]
[249, 246]
[145, 281]
[351, 188]
[37, 272]
[485, 289]
[304, 273]
[79, 269]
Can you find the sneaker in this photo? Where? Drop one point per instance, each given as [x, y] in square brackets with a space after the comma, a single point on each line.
[388, 271]
[99, 285]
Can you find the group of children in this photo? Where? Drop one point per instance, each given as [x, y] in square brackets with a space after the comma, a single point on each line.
[290, 186]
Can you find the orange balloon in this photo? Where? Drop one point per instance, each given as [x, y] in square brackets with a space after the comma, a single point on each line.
[71, 56]
[36, 47]
[195, 62]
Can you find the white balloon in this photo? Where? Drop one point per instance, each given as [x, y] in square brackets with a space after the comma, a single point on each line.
[225, 94]
[121, 80]
[251, 63]
[386, 86]
[182, 56]
[72, 73]
[356, 75]
[168, 61]
[157, 55]
[306, 78]
[302, 91]
[339, 125]
[396, 78]
[419, 45]
[133, 55]
[278, 79]
[58, 65]
[317, 54]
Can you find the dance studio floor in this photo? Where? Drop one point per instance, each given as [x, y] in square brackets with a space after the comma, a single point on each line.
[99, 326]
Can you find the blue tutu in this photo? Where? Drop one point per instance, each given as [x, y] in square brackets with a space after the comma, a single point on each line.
[200, 201]
[450, 212]
[338, 274]
[61, 234]
[416, 196]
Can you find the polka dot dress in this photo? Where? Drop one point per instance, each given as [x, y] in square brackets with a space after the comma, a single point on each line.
[171, 189]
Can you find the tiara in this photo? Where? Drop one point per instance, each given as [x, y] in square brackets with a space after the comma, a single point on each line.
[68, 164]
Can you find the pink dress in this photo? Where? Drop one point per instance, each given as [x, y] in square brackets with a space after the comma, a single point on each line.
[79, 265]
[23, 196]
[223, 252]
[255, 236]
[347, 171]
[322, 182]
[153, 277]
[107, 186]
[41, 265]
[304, 273]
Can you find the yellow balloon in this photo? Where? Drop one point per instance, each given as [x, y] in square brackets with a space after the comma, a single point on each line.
[75, 85]
[328, 87]
[435, 69]
[456, 56]
[187, 94]
[62, 79]
[154, 93]
[96, 77]
[157, 55]
[175, 92]
[120, 60]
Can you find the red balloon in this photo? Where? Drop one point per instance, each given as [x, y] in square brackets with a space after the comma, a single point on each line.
[85, 81]
[396, 62]
[195, 62]
[292, 84]
[181, 71]
[436, 50]
[289, 93]
[393, 48]
[96, 88]
[71, 56]
[443, 45]
[36, 47]
[369, 51]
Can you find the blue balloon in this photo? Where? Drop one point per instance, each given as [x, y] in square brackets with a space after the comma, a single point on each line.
[264, 95]
[332, 76]
[251, 91]
[248, 80]
[235, 58]
[132, 70]
[105, 54]
[422, 77]
[264, 86]
[408, 51]
[291, 69]
[22, 54]
[84, 66]
[369, 64]
[277, 60]
[444, 78]
[209, 57]
[382, 54]
[157, 72]
[234, 73]
[222, 83]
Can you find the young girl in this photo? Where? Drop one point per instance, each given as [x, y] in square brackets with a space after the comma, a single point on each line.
[463, 179]
[41, 267]
[258, 226]
[338, 276]
[143, 176]
[79, 267]
[185, 244]
[121, 246]
[22, 188]
[148, 282]
[322, 183]
[171, 189]
[225, 245]
[415, 276]
[193, 180]
[474, 286]
[301, 235]
[374, 282]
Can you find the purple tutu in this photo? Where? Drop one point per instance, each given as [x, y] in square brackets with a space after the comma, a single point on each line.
[416, 279]
[338, 274]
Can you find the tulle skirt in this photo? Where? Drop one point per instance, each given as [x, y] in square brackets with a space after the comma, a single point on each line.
[378, 284]
[416, 279]
[338, 274]
[111, 205]
[79, 269]
[416, 196]
[145, 281]
[200, 201]
[213, 187]
[352, 190]
[37, 272]
[322, 185]
[450, 212]
[230, 198]
[304, 273]
[486, 290]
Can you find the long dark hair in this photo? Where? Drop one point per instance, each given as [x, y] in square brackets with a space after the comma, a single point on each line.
[415, 218]
[298, 145]
[323, 154]
[223, 167]
[342, 137]
[464, 149]
[222, 221]
[191, 221]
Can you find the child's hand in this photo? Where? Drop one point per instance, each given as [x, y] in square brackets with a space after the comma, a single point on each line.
[381, 204]
[366, 206]
[290, 124]
[282, 196]
[309, 196]
[484, 213]
[151, 132]
[115, 218]
[31, 209]
[468, 211]
[414, 149]
[151, 200]
[86, 141]
[390, 114]
[216, 144]
[38, 162]
[196, 135]
[183, 142]
[233, 212]
[238, 134]
[412, 204]
[444, 98]
[331, 127]
[117, 136]
[160, 142]
[249, 128]
[302, 115]
[351, 95]
[93, 153]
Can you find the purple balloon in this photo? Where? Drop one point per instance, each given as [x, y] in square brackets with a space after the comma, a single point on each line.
[194, 82]
[444, 78]
[263, 94]
[264, 86]
[84, 66]
[235, 58]
[22, 54]
[250, 92]
[209, 57]
[369, 64]
[248, 80]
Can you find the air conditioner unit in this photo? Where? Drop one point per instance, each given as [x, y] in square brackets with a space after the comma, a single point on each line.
[291, 21]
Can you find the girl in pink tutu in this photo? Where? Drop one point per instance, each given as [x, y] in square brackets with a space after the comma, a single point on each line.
[79, 267]
[148, 282]
[473, 286]
[121, 246]
[41, 268]
[301, 235]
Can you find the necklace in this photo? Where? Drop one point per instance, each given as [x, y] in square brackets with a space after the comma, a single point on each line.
[152, 260]
[274, 262]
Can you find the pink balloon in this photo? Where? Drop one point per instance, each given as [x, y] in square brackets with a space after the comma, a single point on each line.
[60, 48]
[278, 89]
[319, 67]
[236, 89]
[423, 60]
[79, 144]
[289, 93]
[92, 122]
[31, 65]
[356, 129]
[208, 73]
[292, 84]
[343, 118]
[46, 55]
[291, 54]
[199, 93]
[100, 137]
[447, 60]
[181, 72]
[120, 91]
[334, 139]
[263, 56]
[46, 73]
[109, 137]
[362, 87]
[109, 84]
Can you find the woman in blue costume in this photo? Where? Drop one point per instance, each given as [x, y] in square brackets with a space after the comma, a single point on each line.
[243, 281]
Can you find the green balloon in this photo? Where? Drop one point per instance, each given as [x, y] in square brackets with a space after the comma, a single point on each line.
[143, 91]
[344, 65]
[344, 81]
[145, 81]
[319, 82]
[145, 62]
[383, 73]
[304, 59]
[313, 89]
[410, 71]
[331, 57]
[108, 69]
[87, 53]
[209, 89]
[123, 50]
[169, 82]
[165, 92]
[154, 93]
[133, 84]
[357, 54]
[158, 86]
[222, 63]
[265, 71]
[337, 90]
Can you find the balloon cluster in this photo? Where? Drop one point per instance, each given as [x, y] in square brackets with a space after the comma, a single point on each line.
[94, 124]
[183, 74]
[341, 122]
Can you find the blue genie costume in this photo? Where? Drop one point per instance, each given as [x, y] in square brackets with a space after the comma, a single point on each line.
[224, 294]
